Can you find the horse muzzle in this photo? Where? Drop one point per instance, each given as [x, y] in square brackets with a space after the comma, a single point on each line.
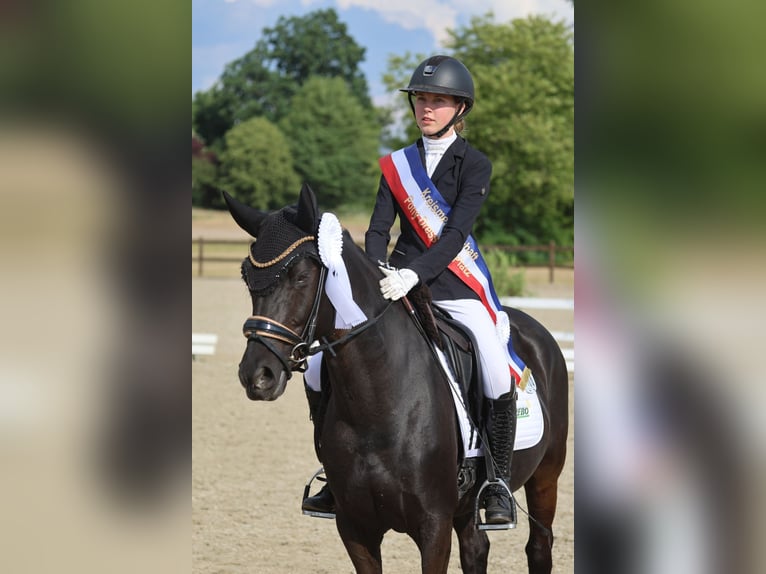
[265, 370]
[263, 384]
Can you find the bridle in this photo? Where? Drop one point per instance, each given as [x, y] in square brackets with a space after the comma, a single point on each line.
[262, 329]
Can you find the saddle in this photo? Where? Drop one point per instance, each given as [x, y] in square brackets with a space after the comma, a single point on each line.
[458, 345]
[459, 348]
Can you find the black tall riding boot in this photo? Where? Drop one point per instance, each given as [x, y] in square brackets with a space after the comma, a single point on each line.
[322, 501]
[500, 507]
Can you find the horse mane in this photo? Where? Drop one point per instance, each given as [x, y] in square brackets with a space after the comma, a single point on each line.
[421, 299]
[350, 246]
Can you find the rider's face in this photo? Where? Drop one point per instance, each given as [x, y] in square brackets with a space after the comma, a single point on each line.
[434, 111]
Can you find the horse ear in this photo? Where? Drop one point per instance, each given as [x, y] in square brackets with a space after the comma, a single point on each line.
[248, 218]
[307, 217]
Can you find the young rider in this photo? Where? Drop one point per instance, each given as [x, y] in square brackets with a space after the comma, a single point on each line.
[441, 94]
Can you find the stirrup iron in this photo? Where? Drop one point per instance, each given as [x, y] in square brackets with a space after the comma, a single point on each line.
[318, 475]
[477, 518]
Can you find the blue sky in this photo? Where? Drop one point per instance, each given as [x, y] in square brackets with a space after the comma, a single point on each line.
[224, 30]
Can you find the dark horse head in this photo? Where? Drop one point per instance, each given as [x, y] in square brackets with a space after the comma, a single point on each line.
[285, 255]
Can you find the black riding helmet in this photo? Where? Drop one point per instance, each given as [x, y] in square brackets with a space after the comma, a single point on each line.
[443, 75]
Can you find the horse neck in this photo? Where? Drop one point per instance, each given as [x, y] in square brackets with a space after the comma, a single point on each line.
[385, 358]
[364, 277]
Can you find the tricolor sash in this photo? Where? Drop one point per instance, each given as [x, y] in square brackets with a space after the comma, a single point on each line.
[427, 211]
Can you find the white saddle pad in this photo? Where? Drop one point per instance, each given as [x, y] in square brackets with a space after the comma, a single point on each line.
[529, 416]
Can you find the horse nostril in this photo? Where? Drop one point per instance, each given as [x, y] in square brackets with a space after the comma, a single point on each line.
[263, 377]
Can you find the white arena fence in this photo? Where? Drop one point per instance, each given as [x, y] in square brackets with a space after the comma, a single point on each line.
[565, 339]
[204, 343]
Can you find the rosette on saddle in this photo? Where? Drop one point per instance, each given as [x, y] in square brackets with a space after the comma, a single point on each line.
[280, 244]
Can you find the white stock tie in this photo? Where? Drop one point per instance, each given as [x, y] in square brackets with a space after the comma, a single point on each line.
[435, 150]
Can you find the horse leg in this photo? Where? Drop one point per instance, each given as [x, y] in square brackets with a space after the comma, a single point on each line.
[474, 544]
[362, 547]
[434, 540]
[542, 496]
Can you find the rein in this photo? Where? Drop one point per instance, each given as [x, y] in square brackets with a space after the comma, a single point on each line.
[328, 345]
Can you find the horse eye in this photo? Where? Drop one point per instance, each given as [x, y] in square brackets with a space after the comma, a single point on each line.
[302, 278]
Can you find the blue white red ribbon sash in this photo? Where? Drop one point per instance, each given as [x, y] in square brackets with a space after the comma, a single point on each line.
[427, 211]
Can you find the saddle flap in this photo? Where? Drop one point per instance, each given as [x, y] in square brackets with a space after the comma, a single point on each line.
[459, 347]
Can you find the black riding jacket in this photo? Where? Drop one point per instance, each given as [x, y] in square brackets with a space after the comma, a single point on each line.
[462, 178]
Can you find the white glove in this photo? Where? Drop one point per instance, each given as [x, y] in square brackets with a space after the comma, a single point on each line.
[396, 284]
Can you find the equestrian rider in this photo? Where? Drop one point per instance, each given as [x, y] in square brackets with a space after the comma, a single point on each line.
[441, 94]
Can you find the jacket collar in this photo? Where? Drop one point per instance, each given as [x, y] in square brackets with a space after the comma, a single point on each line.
[454, 152]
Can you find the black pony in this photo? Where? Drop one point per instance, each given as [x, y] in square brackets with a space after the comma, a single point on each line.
[389, 438]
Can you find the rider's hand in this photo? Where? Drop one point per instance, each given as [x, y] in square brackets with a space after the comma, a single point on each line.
[396, 284]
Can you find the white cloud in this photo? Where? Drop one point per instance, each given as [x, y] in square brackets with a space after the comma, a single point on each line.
[432, 18]
[433, 15]
[505, 10]
[261, 3]
[438, 15]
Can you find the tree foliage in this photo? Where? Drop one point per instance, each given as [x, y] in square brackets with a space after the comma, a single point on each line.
[287, 112]
[334, 142]
[263, 81]
[401, 129]
[524, 120]
[257, 166]
[204, 174]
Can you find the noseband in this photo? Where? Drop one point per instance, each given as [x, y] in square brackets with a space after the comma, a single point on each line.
[261, 329]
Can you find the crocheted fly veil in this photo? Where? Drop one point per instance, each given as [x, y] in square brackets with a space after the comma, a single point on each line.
[280, 244]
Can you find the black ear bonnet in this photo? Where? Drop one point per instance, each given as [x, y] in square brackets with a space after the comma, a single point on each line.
[280, 244]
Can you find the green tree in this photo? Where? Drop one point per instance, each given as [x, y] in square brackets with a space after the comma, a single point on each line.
[263, 81]
[334, 142]
[204, 175]
[256, 165]
[524, 121]
[400, 129]
[212, 116]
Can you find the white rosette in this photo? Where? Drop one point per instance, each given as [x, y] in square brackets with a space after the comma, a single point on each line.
[330, 241]
[503, 326]
[337, 286]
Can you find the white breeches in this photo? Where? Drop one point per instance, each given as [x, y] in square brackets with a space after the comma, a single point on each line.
[495, 370]
[472, 314]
